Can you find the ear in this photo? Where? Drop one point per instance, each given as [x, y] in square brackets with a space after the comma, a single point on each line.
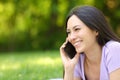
[97, 33]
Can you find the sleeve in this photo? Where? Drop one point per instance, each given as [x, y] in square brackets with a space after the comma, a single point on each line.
[113, 57]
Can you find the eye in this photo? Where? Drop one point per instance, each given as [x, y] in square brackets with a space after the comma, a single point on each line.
[68, 32]
[77, 29]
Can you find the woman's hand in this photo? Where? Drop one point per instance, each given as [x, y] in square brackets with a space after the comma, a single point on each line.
[69, 64]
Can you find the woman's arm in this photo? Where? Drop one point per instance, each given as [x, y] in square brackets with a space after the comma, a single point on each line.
[69, 66]
[68, 63]
[115, 75]
[69, 76]
[75, 78]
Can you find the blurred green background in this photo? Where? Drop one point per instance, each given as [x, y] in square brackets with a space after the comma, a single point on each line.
[31, 32]
[30, 25]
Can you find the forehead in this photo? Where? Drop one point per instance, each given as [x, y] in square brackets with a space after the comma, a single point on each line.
[74, 21]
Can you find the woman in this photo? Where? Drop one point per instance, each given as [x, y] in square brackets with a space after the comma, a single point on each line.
[95, 50]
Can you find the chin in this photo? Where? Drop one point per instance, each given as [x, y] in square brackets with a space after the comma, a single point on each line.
[79, 50]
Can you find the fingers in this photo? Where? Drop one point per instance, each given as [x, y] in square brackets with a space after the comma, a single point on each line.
[65, 57]
[63, 53]
[64, 44]
[76, 57]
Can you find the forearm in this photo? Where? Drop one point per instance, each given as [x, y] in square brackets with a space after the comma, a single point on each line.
[69, 75]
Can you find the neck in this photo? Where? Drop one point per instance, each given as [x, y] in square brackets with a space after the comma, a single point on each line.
[93, 56]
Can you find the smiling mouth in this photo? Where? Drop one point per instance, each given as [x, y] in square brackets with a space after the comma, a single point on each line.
[76, 43]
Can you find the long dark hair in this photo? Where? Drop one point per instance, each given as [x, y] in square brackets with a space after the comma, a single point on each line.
[95, 20]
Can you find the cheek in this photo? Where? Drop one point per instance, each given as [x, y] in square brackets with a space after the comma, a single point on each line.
[90, 40]
[88, 34]
[83, 32]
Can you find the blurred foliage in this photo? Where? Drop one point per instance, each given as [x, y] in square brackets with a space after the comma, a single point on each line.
[39, 25]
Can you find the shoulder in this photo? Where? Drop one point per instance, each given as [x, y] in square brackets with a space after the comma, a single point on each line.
[111, 52]
[113, 46]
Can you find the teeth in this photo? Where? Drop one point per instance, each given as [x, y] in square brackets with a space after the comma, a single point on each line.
[75, 44]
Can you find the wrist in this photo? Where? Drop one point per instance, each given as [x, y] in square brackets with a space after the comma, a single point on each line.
[68, 75]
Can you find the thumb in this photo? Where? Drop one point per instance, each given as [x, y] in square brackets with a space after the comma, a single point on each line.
[76, 57]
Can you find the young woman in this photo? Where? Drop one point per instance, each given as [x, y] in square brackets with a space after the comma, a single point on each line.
[91, 50]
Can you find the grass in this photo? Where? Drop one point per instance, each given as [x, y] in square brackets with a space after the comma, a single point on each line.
[30, 65]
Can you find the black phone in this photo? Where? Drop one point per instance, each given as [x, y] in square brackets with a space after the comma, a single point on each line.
[70, 50]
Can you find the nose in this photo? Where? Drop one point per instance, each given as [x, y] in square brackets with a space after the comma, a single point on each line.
[72, 37]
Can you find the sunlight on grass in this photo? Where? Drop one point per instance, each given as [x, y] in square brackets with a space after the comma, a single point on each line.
[45, 61]
[30, 66]
[9, 66]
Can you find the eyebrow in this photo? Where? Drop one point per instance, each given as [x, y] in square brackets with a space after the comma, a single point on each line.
[73, 27]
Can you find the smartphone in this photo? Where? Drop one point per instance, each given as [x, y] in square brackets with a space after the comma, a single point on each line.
[70, 50]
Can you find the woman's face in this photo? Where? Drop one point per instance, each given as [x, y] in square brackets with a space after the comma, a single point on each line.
[79, 35]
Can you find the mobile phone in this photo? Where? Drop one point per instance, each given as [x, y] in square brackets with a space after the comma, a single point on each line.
[70, 50]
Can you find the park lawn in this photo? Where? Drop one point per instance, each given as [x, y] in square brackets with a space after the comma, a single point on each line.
[41, 65]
